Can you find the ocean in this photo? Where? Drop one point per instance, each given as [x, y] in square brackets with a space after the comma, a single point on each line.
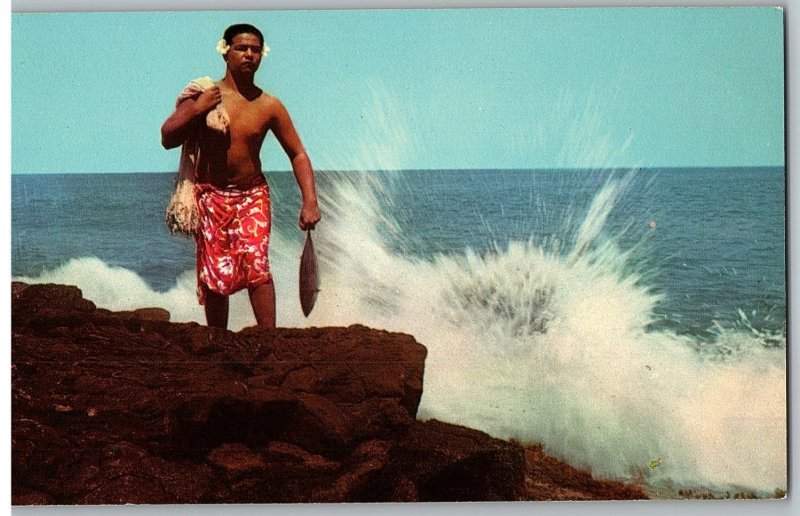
[632, 321]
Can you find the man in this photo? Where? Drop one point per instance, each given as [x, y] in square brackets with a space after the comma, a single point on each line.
[232, 193]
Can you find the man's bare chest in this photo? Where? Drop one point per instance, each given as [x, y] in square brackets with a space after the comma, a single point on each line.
[248, 119]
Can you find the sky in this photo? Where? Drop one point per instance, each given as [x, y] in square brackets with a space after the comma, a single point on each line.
[416, 89]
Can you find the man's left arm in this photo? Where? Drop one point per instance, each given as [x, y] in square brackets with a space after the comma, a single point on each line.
[281, 124]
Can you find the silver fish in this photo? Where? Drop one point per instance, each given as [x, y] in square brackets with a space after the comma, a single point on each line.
[309, 280]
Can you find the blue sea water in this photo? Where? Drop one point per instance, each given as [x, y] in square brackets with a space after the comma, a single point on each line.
[717, 249]
[619, 317]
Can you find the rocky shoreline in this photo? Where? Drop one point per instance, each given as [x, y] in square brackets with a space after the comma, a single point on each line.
[127, 407]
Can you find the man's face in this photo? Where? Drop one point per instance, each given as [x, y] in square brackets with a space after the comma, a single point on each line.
[244, 55]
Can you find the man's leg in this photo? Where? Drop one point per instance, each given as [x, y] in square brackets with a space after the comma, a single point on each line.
[262, 298]
[216, 309]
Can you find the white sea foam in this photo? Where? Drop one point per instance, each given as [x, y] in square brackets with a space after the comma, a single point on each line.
[554, 347]
[117, 288]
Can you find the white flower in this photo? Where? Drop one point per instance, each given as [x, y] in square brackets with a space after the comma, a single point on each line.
[223, 47]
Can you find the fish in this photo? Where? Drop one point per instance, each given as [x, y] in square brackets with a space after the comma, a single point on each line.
[309, 279]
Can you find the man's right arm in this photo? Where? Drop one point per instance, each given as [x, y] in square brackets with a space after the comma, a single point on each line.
[175, 128]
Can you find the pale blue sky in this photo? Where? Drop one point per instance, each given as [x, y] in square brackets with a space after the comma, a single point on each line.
[518, 88]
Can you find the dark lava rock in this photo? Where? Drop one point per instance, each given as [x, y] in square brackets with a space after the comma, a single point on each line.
[117, 408]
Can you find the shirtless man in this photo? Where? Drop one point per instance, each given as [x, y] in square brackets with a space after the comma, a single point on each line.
[232, 192]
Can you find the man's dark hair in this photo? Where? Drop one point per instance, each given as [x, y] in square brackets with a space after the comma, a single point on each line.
[241, 28]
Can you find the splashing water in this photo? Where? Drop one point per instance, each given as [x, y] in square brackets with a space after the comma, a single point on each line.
[540, 343]
[553, 347]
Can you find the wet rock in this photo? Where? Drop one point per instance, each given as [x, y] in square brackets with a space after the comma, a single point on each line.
[457, 463]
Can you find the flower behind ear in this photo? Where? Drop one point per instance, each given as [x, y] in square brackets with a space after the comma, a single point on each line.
[223, 47]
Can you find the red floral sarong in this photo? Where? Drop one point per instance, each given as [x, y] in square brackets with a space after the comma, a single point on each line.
[232, 239]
